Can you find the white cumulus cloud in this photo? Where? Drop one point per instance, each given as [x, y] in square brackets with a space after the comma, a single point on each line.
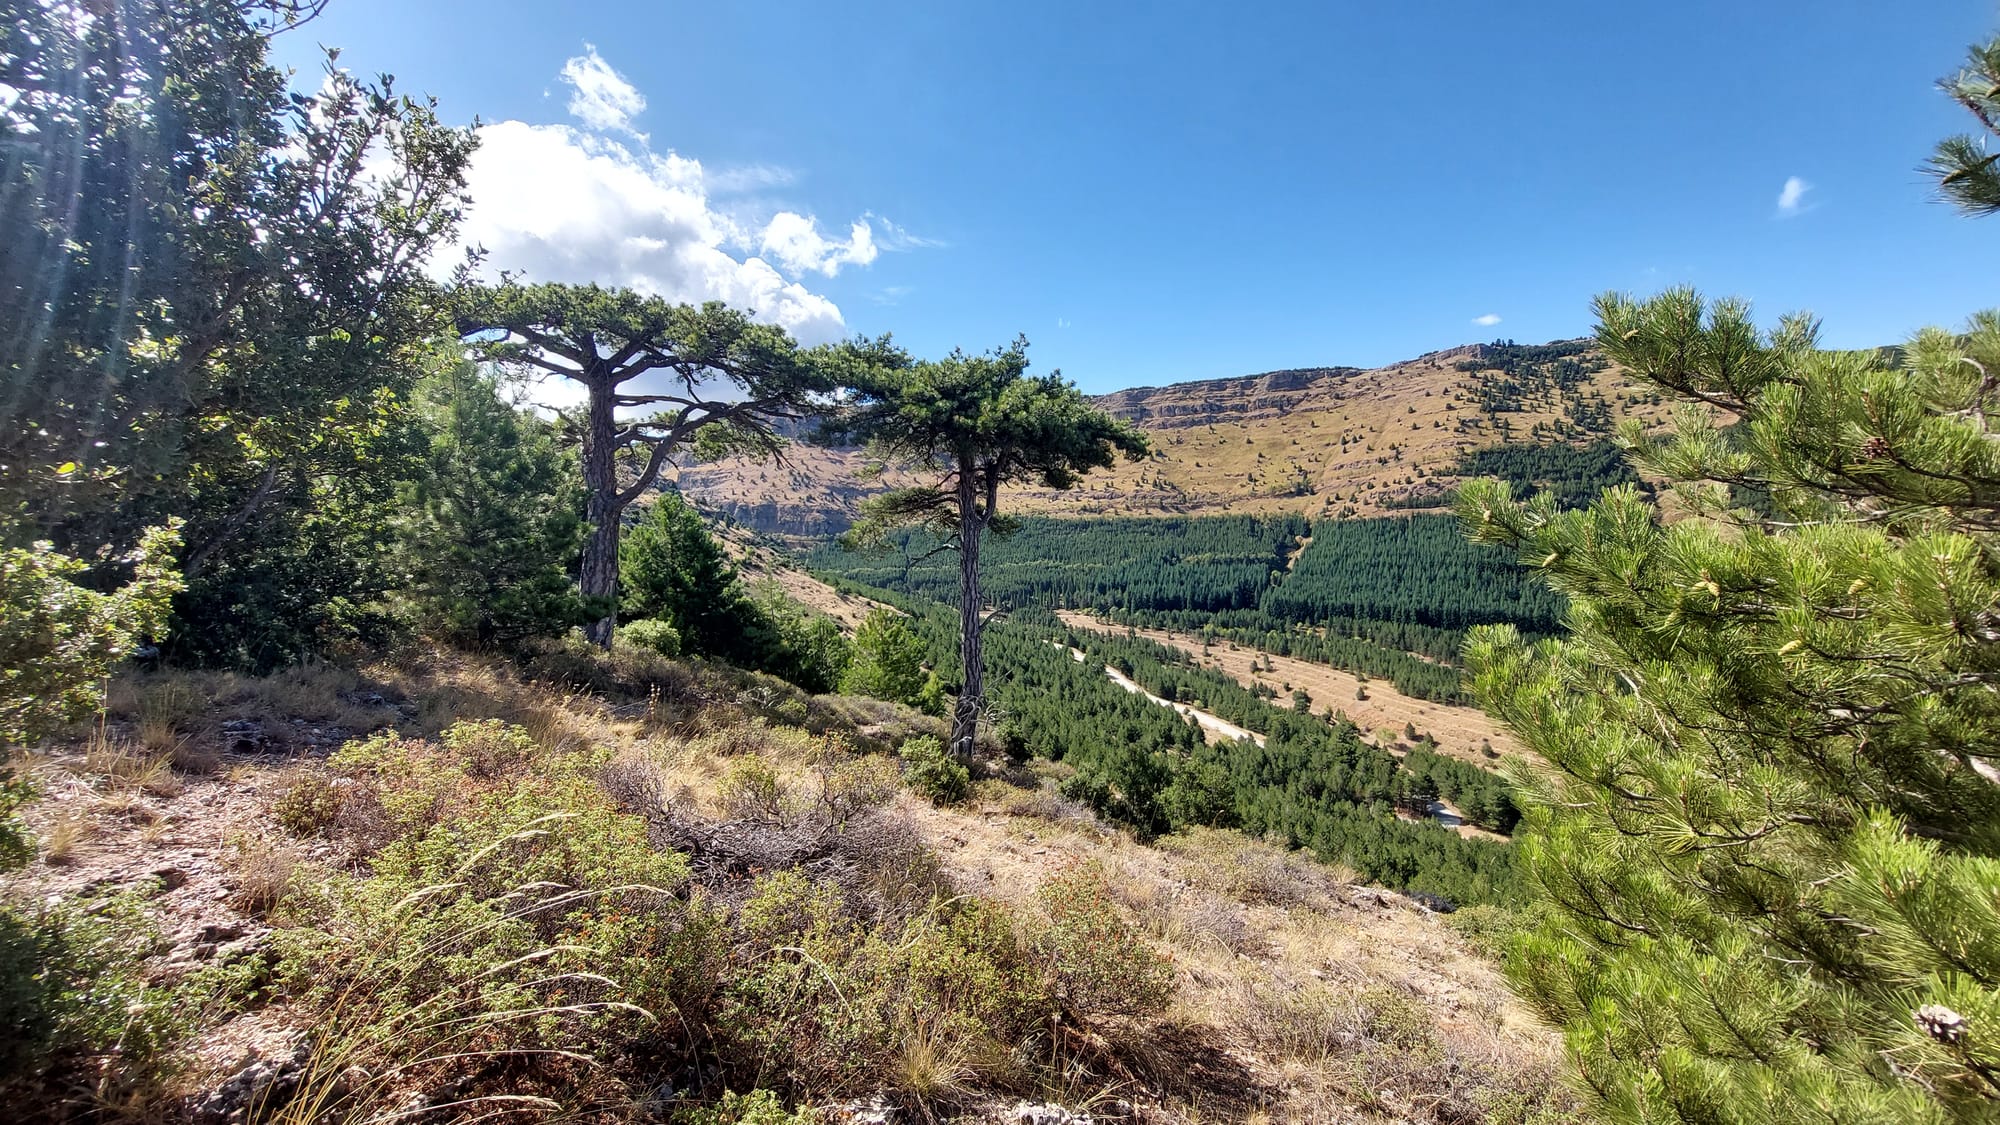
[1791, 198]
[600, 97]
[554, 204]
[1487, 321]
[572, 203]
[795, 242]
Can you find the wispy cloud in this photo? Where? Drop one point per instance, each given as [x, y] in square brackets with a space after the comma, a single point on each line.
[1062, 322]
[1487, 321]
[600, 97]
[1792, 198]
[755, 177]
[894, 238]
[890, 294]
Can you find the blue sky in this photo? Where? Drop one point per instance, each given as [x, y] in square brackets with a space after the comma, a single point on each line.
[1155, 192]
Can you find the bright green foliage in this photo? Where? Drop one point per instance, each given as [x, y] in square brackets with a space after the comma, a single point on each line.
[76, 1011]
[932, 774]
[672, 569]
[1770, 843]
[792, 641]
[212, 296]
[653, 634]
[975, 423]
[888, 663]
[1969, 175]
[58, 639]
[495, 518]
[758, 1107]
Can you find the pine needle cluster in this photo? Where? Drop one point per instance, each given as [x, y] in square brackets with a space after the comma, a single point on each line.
[1769, 839]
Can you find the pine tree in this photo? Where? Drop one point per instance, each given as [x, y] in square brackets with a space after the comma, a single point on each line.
[495, 519]
[1967, 174]
[979, 422]
[673, 570]
[888, 664]
[657, 377]
[1769, 842]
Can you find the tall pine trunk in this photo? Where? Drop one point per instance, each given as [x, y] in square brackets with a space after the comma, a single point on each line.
[971, 522]
[602, 511]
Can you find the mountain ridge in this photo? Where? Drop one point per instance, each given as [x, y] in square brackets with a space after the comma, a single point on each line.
[1327, 442]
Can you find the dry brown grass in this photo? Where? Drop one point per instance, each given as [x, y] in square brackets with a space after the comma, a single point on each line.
[262, 873]
[1301, 997]
[64, 834]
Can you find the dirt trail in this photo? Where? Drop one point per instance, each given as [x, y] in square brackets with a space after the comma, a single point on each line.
[1459, 731]
[1213, 728]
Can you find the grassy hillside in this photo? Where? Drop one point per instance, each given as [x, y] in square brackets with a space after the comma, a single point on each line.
[1330, 442]
[334, 895]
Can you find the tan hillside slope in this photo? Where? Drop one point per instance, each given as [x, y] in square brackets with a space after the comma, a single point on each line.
[1336, 441]
[610, 889]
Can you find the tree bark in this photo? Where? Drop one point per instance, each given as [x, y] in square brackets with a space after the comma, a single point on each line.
[602, 511]
[971, 522]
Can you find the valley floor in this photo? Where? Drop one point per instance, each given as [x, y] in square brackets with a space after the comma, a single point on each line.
[1460, 731]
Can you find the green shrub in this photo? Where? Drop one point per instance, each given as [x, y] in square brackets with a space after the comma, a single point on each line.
[967, 975]
[1486, 927]
[410, 779]
[309, 806]
[850, 783]
[59, 639]
[1398, 1019]
[488, 747]
[1101, 964]
[652, 634]
[888, 663]
[758, 1107]
[933, 774]
[74, 1000]
[750, 788]
[537, 924]
[797, 1003]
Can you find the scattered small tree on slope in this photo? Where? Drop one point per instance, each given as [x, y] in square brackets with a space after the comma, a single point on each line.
[673, 570]
[1769, 841]
[979, 422]
[888, 664]
[494, 518]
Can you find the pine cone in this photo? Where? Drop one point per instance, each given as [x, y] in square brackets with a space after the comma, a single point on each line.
[1940, 1023]
[1875, 448]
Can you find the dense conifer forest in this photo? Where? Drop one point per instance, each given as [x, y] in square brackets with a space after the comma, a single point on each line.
[1389, 598]
[1315, 783]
